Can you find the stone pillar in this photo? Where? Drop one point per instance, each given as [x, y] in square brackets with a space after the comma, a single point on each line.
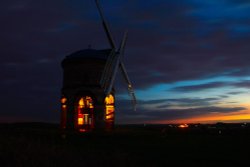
[71, 114]
[99, 114]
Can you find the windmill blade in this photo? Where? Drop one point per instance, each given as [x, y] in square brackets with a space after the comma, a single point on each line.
[123, 43]
[107, 68]
[130, 88]
[110, 84]
[105, 25]
[116, 64]
[125, 74]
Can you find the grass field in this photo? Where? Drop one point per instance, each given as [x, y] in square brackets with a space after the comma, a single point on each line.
[41, 145]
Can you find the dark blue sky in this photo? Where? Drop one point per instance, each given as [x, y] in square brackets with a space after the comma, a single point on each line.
[188, 60]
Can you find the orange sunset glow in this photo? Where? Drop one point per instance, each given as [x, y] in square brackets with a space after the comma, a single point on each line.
[214, 118]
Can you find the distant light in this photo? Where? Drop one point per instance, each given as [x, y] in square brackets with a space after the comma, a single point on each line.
[183, 126]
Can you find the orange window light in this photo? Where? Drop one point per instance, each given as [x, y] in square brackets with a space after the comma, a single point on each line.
[109, 101]
[80, 121]
[63, 100]
[81, 103]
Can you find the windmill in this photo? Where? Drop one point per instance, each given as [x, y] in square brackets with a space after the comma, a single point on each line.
[88, 95]
[114, 62]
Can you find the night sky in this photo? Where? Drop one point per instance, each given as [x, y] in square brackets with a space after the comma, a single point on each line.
[189, 60]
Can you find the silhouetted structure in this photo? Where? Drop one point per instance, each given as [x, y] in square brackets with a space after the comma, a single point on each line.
[88, 95]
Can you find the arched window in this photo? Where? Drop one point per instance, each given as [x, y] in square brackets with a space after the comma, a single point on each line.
[85, 114]
[109, 107]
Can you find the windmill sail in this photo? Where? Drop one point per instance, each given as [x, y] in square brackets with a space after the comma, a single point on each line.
[109, 66]
[105, 25]
[107, 69]
[114, 62]
[130, 88]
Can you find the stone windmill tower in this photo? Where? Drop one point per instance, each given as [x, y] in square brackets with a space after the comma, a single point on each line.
[88, 94]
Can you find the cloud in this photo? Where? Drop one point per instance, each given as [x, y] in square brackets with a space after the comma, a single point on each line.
[242, 84]
[169, 103]
[191, 102]
[214, 85]
[200, 87]
[235, 93]
[186, 106]
[147, 116]
[189, 47]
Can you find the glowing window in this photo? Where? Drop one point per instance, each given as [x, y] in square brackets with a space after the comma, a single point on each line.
[80, 121]
[86, 118]
[109, 101]
[81, 103]
[63, 100]
[85, 112]
[63, 103]
[89, 102]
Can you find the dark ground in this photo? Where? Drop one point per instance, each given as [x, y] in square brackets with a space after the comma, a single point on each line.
[37, 144]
